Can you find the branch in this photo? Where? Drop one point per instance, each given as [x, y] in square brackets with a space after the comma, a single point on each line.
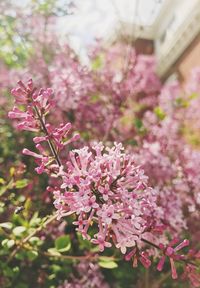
[26, 239]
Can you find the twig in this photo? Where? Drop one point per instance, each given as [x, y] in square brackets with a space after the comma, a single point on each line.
[26, 239]
[150, 243]
[55, 154]
[157, 247]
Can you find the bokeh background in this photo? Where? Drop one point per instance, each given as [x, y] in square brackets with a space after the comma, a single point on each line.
[121, 70]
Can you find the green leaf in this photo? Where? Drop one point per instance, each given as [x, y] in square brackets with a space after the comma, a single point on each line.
[132, 142]
[181, 102]
[138, 123]
[94, 98]
[193, 96]
[52, 276]
[35, 220]
[139, 126]
[6, 243]
[19, 184]
[107, 263]
[97, 62]
[54, 252]
[17, 231]
[8, 272]
[10, 184]
[35, 241]
[16, 270]
[12, 171]
[2, 181]
[63, 243]
[21, 255]
[6, 225]
[56, 268]
[159, 113]
[32, 255]
[83, 243]
[94, 249]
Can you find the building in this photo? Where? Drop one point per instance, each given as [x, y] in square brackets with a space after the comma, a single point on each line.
[174, 37]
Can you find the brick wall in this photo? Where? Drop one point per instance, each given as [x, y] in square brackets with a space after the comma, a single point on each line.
[188, 60]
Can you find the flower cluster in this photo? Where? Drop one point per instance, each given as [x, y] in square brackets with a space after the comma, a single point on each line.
[31, 110]
[104, 188]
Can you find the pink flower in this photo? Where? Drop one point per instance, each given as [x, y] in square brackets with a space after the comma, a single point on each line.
[23, 93]
[191, 273]
[125, 210]
[90, 203]
[105, 191]
[107, 213]
[101, 242]
[36, 105]
[171, 253]
[143, 257]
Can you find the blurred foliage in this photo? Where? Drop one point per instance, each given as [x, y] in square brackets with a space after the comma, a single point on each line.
[12, 53]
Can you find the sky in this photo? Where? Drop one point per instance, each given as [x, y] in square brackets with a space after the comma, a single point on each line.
[100, 18]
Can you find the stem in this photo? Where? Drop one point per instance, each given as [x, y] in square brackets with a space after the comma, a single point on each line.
[157, 247]
[81, 257]
[26, 239]
[72, 257]
[53, 150]
[146, 279]
[66, 257]
[150, 243]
